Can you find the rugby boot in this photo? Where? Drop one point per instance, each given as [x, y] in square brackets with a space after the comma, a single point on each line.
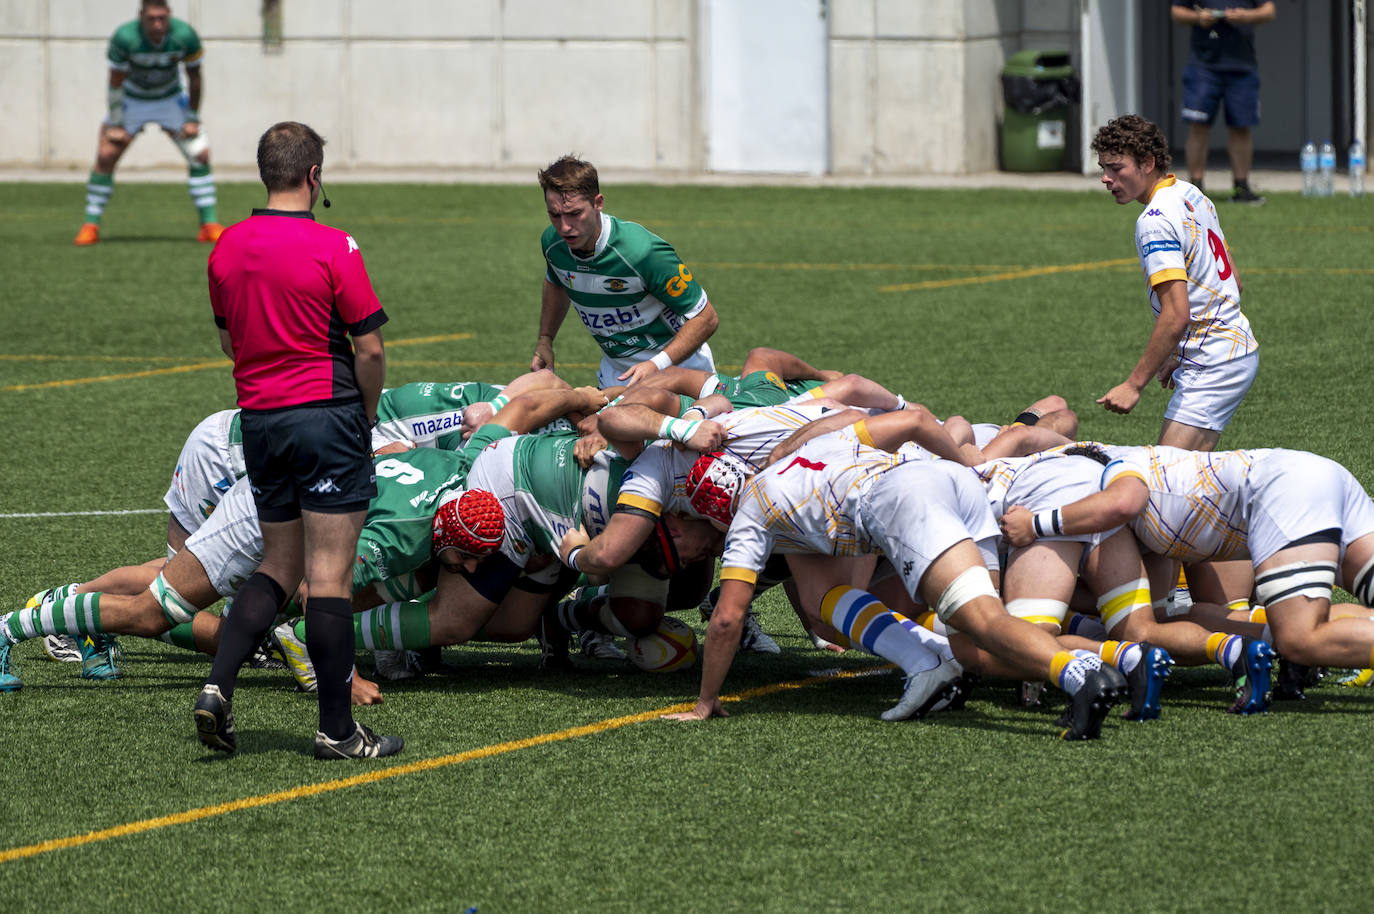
[1146, 681]
[1088, 706]
[1251, 676]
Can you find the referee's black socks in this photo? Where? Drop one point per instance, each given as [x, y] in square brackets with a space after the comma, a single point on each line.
[255, 609]
[329, 639]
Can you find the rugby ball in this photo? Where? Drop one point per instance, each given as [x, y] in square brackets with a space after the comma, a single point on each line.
[672, 647]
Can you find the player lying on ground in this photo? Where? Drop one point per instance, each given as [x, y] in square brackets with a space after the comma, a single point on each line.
[393, 549]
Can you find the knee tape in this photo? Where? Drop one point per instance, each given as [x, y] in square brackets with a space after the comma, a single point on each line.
[1313, 580]
[1048, 612]
[1119, 602]
[174, 606]
[972, 583]
[633, 581]
[191, 149]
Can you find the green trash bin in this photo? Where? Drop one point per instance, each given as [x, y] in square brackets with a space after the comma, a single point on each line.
[1038, 87]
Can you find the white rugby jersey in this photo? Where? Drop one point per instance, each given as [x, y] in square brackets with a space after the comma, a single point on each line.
[805, 503]
[1179, 237]
[657, 480]
[1195, 512]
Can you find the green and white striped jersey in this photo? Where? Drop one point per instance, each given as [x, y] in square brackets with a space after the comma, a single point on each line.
[428, 413]
[398, 535]
[153, 70]
[633, 293]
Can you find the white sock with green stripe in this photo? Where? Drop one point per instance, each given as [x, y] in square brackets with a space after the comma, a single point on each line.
[201, 183]
[99, 189]
[78, 614]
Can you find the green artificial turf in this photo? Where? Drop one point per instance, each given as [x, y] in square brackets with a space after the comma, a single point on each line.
[802, 800]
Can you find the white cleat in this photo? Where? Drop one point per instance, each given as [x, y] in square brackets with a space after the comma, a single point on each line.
[600, 646]
[927, 691]
[396, 665]
[297, 657]
[754, 639]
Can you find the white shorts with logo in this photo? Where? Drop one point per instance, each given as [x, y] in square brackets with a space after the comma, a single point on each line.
[612, 369]
[168, 113]
[206, 469]
[916, 511]
[1208, 397]
[1292, 494]
[229, 544]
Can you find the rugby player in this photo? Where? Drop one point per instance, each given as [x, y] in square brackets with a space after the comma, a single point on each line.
[629, 287]
[1201, 346]
[146, 57]
[832, 506]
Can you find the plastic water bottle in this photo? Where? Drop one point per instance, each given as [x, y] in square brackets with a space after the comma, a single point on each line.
[1357, 169]
[1308, 158]
[1327, 166]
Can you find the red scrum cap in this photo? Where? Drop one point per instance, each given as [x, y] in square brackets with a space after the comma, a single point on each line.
[470, 521]
[713, 484]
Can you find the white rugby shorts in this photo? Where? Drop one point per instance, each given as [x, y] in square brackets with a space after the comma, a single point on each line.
[916, 511]
[1208, 397]
[612, 369]
[1292, 494]
[229, 544]
[168, 113]
[206, 469]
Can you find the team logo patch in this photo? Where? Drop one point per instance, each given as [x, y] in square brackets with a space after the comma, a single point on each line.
[615, 285]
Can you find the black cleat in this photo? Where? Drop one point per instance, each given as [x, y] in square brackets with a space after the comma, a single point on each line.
[362, 744]
[1294, 679]
[1089, 705]
[214, 720]
[1243, 194]
[554, 640]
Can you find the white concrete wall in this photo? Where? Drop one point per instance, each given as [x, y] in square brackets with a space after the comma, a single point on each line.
[512, 84]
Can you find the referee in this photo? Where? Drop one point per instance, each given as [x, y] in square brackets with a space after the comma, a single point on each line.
[288, 294]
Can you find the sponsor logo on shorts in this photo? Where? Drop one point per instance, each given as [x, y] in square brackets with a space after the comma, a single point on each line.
[324, 486]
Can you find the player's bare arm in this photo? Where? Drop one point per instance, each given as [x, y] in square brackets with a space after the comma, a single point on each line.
[553, 308]
[722, 642]
[625, 533]
[114, 132]
[1114, 506]
[369, 366]
[194, 86]
[637, 422]
[1169, 328]
[688, 339]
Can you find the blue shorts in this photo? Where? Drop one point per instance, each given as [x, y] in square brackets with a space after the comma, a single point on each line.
[1204, 90]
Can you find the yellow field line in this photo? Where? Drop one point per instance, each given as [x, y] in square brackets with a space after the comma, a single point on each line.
[372, 777]
[200, 366]
[1009, 275]
[91, 358]
[71, 382]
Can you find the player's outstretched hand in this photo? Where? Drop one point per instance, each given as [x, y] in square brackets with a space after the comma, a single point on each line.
[543, 355]
[702, 711]
[1018, 526]
[1121, 399]
[638, 373]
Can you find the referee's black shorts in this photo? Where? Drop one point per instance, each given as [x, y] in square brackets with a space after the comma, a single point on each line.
[314, 457]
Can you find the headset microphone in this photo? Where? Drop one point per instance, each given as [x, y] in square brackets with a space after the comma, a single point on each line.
[323, 196]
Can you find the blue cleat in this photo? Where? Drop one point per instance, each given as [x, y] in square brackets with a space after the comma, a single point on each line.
[1252, 675]
[9, 674]
[99, 657]
[1146, 681]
